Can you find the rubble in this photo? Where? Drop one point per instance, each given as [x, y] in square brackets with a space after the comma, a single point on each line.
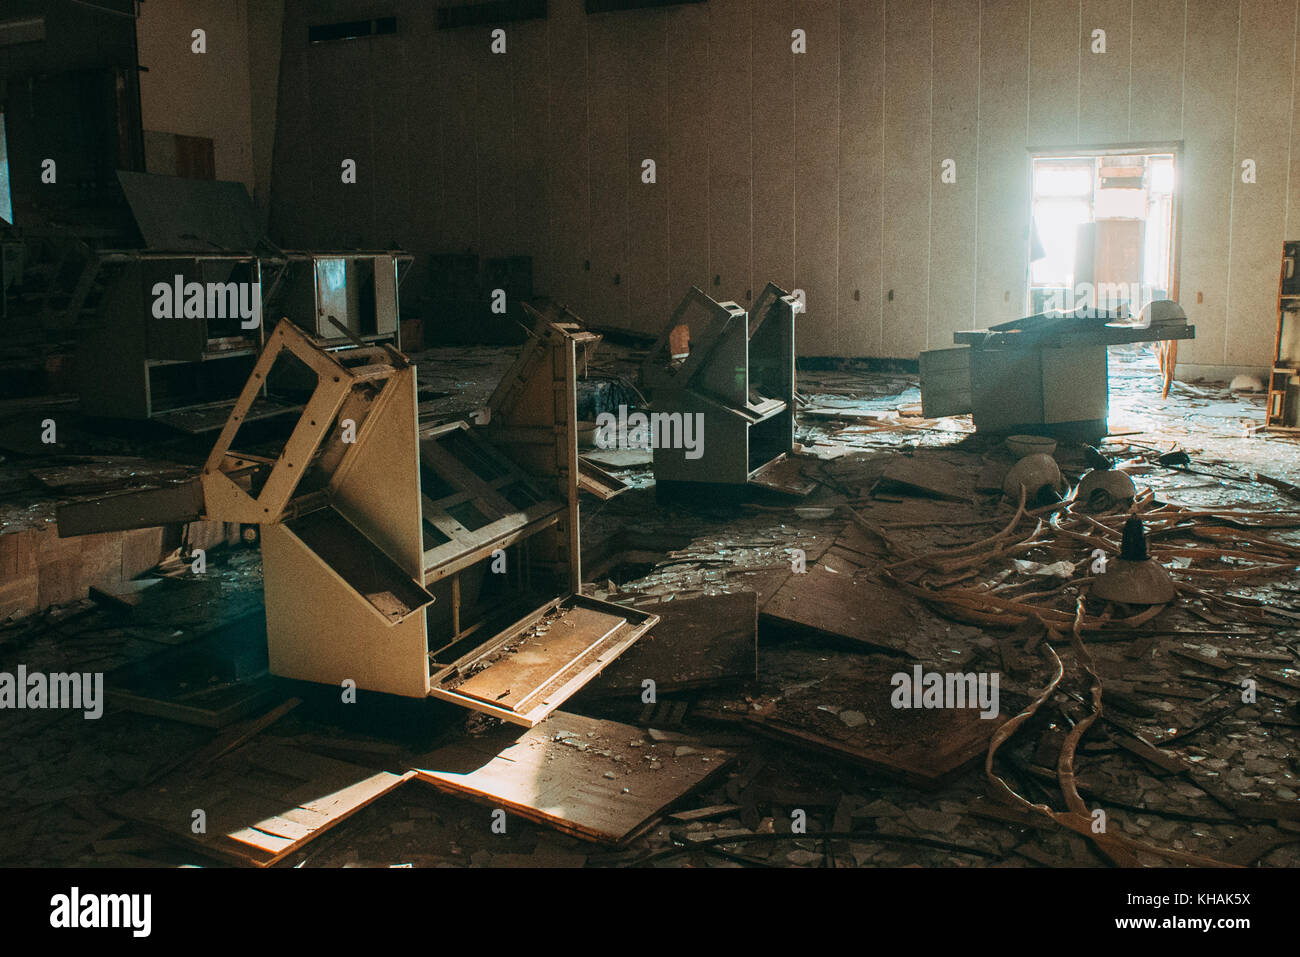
[1184, 769]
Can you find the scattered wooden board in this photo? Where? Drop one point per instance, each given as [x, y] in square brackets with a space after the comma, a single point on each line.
[620, 458]
[216, 707]
[931, 476]
[698, 643]
[705, 813]
[840, 596]
[122, 595]
[214, 679]
[783, 474]
[558, 774]
[262, 801]
[925, 747]
[847, 415]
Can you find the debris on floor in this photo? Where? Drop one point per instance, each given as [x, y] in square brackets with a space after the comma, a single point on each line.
[596, 780]
[799, 647]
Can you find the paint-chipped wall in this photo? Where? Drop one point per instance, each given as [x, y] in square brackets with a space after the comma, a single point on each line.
[819, 170]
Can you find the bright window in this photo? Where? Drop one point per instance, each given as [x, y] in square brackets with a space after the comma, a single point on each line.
[1121, 207]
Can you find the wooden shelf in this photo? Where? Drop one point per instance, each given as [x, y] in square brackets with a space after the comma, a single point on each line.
[1279, 414]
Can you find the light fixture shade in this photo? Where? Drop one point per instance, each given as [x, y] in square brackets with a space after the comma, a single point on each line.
[1134, 578]
[1102, 489]
[1135, 583]
[1036, 473]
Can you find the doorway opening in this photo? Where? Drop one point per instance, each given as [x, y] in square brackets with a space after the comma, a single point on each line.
[1103, 229]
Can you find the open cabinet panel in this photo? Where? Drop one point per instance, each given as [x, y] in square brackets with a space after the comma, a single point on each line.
[340, 546]
[771, 354]
[533, 666]
[486, 596]
[475, 501]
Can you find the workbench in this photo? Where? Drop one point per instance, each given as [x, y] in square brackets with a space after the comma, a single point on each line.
[1040, 375]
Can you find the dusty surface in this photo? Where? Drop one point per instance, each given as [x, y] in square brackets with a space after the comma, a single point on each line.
[1232, 794]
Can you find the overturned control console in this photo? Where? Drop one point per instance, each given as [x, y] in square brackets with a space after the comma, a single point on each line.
[442, 561]
[726, 378]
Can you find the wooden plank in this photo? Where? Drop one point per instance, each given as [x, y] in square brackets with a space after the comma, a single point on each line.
[862, 176]
[196, 712]
[705, 813]
[1161, 759]
[730, 161]
[699, 642]
[534, 661]
[784, 474]
[929, 475]
[261, 802]
[816, 210]
[908, 180]
[579, 775]
[925, 747]
[235, 737]
[123, 595]
[1218, 664]
[839, 598]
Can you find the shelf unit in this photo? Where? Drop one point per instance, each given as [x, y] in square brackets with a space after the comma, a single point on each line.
[1283, 411]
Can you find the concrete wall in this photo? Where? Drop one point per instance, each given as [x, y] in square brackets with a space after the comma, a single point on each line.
[817, 170]
[200, 94]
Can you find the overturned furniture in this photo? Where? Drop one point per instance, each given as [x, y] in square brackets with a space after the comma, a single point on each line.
[442, 561]
[1041, 374]
[182, 313]
[733, 374]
